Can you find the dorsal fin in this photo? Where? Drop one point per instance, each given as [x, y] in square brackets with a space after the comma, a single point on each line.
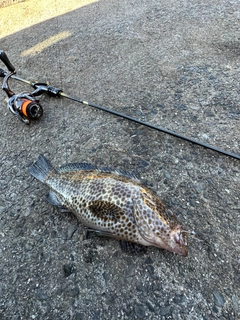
[71, 167]
[119, 172]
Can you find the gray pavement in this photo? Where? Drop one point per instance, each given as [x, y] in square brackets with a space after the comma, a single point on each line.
[171, 63]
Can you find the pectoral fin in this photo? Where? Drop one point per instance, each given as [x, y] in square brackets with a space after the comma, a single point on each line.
[126, 246]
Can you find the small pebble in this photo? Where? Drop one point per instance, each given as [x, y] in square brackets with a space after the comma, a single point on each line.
[218, 298]
[164, 311]
[236, 303]
[139, 311]
[68, 269]
[74, 292]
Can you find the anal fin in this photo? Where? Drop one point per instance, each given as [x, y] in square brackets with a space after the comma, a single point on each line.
[52, 198]
[132, 248]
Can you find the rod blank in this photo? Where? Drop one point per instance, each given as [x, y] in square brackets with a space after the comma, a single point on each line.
[202, 144]
[146, 124]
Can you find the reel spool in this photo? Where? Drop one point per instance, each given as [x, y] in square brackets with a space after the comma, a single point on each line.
[25, 107]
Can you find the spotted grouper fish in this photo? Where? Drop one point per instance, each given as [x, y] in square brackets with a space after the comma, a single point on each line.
[113, 203]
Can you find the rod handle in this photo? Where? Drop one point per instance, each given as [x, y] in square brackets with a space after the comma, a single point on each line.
[6, 61]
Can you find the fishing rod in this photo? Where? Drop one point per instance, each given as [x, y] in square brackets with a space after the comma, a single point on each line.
[26, 107]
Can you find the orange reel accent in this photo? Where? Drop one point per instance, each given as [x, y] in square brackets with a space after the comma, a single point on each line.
[24, 107]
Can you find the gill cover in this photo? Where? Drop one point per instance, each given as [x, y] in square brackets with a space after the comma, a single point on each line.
[159, 232]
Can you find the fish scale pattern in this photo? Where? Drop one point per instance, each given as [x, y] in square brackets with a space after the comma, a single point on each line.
[112, 203]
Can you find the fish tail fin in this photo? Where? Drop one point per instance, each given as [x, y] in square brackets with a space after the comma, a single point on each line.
[41, 168]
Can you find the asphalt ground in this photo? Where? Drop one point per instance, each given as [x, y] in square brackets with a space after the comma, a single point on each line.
[171, 63]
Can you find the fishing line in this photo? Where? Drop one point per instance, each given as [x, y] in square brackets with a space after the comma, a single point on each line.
[26, 107]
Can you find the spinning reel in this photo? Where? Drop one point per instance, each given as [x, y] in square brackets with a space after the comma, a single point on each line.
[23, 105]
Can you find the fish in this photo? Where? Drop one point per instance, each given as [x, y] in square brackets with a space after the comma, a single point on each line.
[113, 203]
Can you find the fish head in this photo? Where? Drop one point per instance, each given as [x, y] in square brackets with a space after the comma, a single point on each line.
[160, 228]
[174, 240]
[171, 233]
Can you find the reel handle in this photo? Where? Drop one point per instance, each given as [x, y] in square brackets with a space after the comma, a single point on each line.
[2, 73]
[6, 61]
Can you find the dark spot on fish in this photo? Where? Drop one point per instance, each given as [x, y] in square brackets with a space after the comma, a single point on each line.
[106, 211]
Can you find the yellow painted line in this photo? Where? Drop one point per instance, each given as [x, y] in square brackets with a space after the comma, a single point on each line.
[46, 43]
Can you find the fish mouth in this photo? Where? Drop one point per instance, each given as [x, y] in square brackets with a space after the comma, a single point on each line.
[175, 248]
[176, 242]
[179, 237]
[182, 251]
